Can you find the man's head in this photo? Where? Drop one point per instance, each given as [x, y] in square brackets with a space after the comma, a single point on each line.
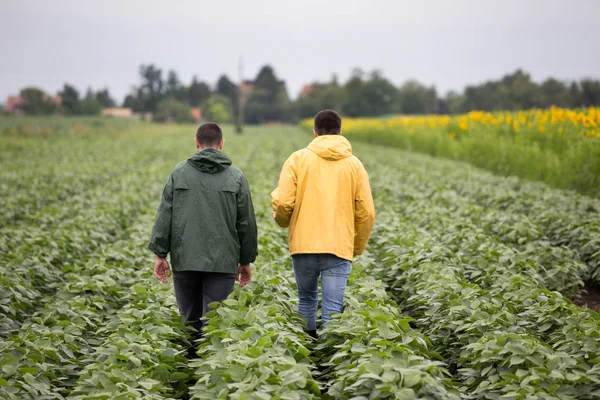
[327, 122]
[209, 135]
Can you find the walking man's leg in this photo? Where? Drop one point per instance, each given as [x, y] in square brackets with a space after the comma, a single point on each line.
[216, 287]
[334, 277]
[307, 280]
[188, 293]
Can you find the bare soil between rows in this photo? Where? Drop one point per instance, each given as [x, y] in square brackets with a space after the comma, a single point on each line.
[590, 296]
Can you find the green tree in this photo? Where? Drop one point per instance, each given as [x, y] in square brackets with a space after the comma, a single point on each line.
[174, 88]
[286, 110]
[103, 97]
[133, 102]
[487, 97]
[441, 107]
[455, 102]
[217, 108]
[322, 96]
[198, 92]
[516, 91]
[89, 105]
[172, 110]
[36, 102]
[380, 95]
[354, 104]
[268, 101]
[227, 88]
[521, 91]
[151, 91]
[415, 98]
[590, 92]
[258, 109]
[553, 93]
[371, 96]
[147, 95]
[71, 103]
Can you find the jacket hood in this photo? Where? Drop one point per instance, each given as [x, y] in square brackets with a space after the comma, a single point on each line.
[331, 147]
[209, 161]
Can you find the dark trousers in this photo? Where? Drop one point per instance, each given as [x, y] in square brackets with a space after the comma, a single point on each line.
[195, 290]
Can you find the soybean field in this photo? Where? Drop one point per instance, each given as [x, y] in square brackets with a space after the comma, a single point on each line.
[469, 289]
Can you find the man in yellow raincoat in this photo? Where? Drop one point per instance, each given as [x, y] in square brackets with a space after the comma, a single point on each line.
[324, 197]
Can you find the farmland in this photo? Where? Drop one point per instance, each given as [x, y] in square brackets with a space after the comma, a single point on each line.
[555, 146]
[465, 291]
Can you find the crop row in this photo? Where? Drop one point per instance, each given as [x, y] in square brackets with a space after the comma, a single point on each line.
[468, 255]
[560, 227]
[74, 288]
[143, 344]
[81, 319]
[476, 304]
[562, 218]
[254, 346]
[371, 351]
[504, 235]
[472, 274]
[104, 332]
[35, 257]
[55, 170]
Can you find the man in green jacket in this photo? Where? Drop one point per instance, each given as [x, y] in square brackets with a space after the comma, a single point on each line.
[206, 222]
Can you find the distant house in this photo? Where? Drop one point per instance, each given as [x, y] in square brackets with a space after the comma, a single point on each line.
[245, 90]
[13, 102]
[196, 113]
[118, 112]
[307, 89]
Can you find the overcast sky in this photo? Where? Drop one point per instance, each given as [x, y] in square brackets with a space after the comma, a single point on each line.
[448, 43]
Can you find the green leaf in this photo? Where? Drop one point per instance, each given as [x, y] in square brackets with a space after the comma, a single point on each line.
[516, 360]
[179, 376]
[139, 289]
[148, 384]
[9, 369]
[135, 360]
[411, 378]
[405, 394]
[237, 372]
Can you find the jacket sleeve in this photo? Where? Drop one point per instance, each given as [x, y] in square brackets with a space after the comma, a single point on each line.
[284, 196]
[160, 241]
[246, 224]
[364, 212]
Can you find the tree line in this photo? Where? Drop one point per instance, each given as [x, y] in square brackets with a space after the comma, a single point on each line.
[265, 99]
[366, 95]
[35, 101]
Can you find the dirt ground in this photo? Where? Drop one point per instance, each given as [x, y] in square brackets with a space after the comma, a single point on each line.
[589, 295]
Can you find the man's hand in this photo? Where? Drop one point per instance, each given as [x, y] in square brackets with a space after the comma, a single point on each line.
[244, 274]
[161, 269]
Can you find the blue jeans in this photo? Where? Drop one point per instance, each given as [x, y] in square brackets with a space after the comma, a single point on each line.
[334, 272]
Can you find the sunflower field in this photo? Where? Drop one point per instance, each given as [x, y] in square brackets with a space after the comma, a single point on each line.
[470, 287]
[559, 147]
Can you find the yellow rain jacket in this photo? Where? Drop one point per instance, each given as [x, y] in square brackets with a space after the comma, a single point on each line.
[325, 198]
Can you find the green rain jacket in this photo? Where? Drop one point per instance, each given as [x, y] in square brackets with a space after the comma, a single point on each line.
[206, 218]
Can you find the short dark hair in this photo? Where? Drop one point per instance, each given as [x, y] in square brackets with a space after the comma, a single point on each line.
[328, 122]
[209, 135]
